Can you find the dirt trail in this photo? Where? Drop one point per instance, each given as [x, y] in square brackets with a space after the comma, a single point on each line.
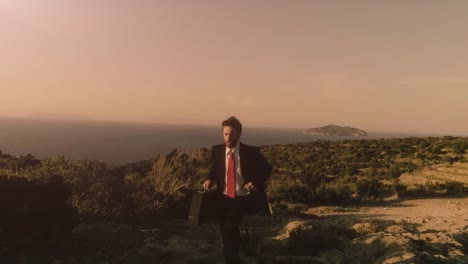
[448, 214]
[409, 231]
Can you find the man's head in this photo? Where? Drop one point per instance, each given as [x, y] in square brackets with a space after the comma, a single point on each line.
[232, 130]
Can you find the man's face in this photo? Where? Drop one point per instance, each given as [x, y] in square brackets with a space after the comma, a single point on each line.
[231, 136]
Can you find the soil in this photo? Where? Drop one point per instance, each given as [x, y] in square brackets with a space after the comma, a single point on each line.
[405, 231]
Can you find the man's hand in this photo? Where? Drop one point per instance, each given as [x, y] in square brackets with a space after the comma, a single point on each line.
[207, 185]
[250, 187]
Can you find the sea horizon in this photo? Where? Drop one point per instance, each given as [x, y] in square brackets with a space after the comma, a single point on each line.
[122, 142]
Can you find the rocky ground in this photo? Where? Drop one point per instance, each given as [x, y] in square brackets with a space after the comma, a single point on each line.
[409, 231]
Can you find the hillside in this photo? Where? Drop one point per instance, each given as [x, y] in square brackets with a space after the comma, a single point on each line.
[348, 201]
[333, 130]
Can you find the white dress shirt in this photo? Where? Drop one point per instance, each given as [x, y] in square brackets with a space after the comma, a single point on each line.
[240, 182]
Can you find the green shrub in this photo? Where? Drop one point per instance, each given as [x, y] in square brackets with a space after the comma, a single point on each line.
[36, 215]
[291, 193]
[454, 187]
[97, 190]
[369, 187]
[337, 193]
[169, 183]
[399, 188]
[309, 241]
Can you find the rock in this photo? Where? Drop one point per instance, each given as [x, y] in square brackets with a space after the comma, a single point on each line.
[289, 228]
[365, 228]
[379, 248]
[395, 230]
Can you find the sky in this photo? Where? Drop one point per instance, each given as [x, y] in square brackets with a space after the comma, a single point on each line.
[394, 66]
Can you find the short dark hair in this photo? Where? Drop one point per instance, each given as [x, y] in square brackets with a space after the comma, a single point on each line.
[233, 122]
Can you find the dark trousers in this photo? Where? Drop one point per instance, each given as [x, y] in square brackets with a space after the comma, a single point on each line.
[230, 214]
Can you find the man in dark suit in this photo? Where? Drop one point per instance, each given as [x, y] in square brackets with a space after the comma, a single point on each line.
[240, 173]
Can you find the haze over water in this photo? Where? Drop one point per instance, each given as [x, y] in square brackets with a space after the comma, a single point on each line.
[120, 142]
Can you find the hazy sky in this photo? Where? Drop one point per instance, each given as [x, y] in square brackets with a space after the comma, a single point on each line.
[376, 65]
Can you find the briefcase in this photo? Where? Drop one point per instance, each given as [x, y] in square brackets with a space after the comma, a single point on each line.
[202, 208]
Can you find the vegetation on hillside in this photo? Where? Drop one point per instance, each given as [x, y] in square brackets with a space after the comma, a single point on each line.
[336, 172]
[321, 172]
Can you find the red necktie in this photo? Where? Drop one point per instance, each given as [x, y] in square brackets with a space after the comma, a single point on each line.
[231, 177]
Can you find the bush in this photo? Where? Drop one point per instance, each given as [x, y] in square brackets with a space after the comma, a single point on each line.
[337, 193]
[292, 193]
[97, 190]
[399, 188]
[169, 183]
[369, 187]
[454, 187]
[309, 241]
[36, 215]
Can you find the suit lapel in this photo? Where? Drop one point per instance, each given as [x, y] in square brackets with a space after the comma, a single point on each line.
[222, 155]
[242, 158]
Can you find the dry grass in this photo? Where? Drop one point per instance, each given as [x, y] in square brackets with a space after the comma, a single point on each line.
[166, 182]
[441, 173]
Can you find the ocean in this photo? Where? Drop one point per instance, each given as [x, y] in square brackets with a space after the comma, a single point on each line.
[119, 143]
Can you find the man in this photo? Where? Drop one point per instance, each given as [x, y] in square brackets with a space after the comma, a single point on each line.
[240, 173]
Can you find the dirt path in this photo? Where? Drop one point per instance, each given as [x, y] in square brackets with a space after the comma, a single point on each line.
[421, 230]
[448, 214]
[411, 231]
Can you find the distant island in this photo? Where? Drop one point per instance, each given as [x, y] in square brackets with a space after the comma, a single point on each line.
[334, 130]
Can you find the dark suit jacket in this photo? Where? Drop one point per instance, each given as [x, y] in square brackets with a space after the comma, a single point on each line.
[254, 168]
